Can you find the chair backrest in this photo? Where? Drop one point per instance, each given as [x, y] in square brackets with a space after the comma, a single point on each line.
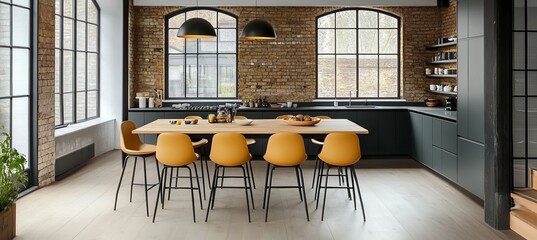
[229, 149]
[341, 149]
[284, 116]
[194, 117]
[240, 117]
[175, 149]
[129, 140]
[285, 149]
[323, 117]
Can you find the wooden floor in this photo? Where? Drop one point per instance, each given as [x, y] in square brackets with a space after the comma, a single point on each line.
[402, 201]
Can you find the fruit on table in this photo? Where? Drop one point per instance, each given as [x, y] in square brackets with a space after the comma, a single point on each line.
[301, 117]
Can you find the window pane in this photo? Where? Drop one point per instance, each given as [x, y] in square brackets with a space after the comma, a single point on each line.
[68, 33]
[81, 9]
[57, 110]
[368, 76]
[191, 45]
[191, 76]
[207, 45]
[532, 127]
[57, 71]
[21, 123]
[93, 72]
[175, 44]
[207, 76]
[68, 69]
[208, 15]
[21, 27]
[386, 21]
[346, 19]
[68, 8]
[227, 75]
[532, 15]
[5, 113]
[367, 19]
[80, 106]
[93, 37]
[532, 50]
[24, 3]
[80, 71]
[5, 24]
[346, 74]
[388, 76]
[92, 104]
[346, 41]
[57, 32]
[176, 22]
[58, 6]
[68, 108]
[5, 69]
[92, 12]
[388, 41]
[519, 51]
[326, 76]
[519, 83]
[368, 41]
[80, 36]
[328, 21]
[326, 41]
[532, 83]
[21, 72]
[227, 40]
[226, 21]
[176, 76]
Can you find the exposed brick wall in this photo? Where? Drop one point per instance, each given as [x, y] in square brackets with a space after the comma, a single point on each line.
[286, 67]
[45, 93]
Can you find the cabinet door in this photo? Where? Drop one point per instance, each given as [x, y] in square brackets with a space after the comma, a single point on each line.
[403, 133]
[416, 140]
[462, 83]
[476, 92]
[437, 159]
[386, 132]
[369, 120]
[437, 132]
[476, 17]
[449, 165]
[449, 136]
[471, 166]
[427, 140]
[462, 18]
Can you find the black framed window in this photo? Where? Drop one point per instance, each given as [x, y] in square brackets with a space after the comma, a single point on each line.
[524, 91]
[201, 68]
[77, 61]
[358, 50]
[16, 74]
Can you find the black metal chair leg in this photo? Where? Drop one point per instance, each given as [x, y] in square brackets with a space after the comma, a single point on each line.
[315, 171]
[171, 178]
[160, 185]
[353, 190]
[123, 166]
[303, 186]
[211, 194]
[165, 173]
[319, 181]
[269, 190]
[266, 182]
[223, 174]
[198, 181]
[251, 169]
[325, 190]
[192, 193]
[202, 179]
[250, 184]
[132, 179]
[215, 184]
[145, 188]
[298, 182]
[157, 166]
[347, 182]
[246, 192]
[353, 172]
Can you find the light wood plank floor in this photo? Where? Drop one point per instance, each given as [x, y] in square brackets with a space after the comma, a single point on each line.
[402, 201]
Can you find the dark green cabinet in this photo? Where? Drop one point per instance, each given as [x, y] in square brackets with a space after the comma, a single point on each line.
[471, 166]
[445, 163]
[427, 141]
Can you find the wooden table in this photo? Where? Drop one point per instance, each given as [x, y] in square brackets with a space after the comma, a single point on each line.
[258, 126]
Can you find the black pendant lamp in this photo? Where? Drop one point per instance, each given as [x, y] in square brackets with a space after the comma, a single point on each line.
[258, 29]
[196, 28]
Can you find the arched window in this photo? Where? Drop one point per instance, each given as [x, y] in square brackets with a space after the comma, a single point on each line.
[77, 61]
[201, 68]
[358, 52]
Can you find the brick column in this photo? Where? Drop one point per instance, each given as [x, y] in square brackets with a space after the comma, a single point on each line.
[45, 93]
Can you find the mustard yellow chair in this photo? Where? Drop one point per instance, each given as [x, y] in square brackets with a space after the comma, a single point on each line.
[175, 151]
[133, 147]
[340, 151]
[285, 150]
[229, 150]
[284, 116]
[317, 162]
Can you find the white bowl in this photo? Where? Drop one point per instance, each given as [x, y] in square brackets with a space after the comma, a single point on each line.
[243, 122]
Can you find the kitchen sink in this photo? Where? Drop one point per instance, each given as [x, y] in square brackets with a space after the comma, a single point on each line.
[361, 106]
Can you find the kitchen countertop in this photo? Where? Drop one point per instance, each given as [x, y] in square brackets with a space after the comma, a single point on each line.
[438, 112]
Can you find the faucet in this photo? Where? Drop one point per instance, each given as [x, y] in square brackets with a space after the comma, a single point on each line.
[350, 97]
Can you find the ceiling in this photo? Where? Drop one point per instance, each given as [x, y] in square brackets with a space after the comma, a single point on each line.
[278, 3]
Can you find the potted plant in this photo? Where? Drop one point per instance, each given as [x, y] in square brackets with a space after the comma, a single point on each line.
[12, 180]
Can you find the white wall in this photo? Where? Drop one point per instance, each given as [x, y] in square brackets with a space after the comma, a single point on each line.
[112, 62]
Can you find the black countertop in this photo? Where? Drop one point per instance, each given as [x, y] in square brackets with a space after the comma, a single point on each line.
[438, 112]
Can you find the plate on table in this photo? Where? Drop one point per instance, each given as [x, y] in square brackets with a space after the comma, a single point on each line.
[314, 120]
[243, 122]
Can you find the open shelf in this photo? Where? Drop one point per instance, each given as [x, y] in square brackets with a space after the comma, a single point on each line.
[443, 61]
[436, 46]
[441, 75]
[443, 93]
